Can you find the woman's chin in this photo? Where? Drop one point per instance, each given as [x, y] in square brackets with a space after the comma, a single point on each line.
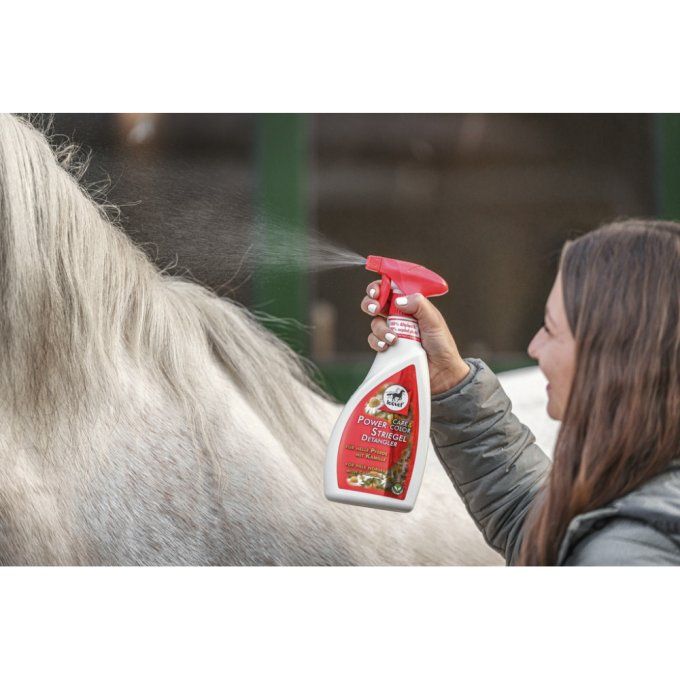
[553, 410]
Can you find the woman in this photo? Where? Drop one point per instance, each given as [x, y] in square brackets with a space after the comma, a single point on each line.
[610, 349]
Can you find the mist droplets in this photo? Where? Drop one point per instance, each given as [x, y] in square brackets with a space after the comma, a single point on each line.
[277, 246]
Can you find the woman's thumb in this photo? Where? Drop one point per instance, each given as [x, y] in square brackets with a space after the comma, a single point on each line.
[418, 306]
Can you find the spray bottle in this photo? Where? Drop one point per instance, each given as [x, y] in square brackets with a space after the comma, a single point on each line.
[377, 450]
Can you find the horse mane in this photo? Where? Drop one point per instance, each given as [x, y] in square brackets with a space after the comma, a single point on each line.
[145, 420]
[83, 311]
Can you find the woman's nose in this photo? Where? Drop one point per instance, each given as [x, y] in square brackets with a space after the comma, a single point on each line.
[534, 346]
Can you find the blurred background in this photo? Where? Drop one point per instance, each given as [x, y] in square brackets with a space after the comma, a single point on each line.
[486, 200]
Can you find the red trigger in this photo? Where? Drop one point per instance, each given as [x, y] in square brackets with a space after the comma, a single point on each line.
[385, 290]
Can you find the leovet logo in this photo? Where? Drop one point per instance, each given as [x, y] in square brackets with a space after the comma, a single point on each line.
[395, 398]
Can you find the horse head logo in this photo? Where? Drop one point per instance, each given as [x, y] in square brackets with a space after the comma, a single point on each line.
[396, 398]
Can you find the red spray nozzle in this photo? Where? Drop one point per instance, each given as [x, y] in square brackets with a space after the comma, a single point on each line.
[408, 277]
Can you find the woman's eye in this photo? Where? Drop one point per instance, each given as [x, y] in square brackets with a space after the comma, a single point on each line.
[545, 328]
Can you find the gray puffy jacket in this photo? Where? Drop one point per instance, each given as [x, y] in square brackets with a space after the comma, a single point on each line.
[497, 469]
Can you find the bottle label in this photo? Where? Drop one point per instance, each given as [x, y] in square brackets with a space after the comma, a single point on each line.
[378, 446]
[404, 327]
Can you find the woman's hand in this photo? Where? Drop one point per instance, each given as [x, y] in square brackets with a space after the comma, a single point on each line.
[447, 367]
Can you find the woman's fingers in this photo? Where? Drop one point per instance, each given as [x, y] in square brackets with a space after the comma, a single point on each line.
[373, 289]
[370, 303]
[376, 343]
[381, 337]
[382, 331]
[370, 306]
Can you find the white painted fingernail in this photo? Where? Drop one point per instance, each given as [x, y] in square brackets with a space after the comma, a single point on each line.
[401, 301]
[372, 307]
[390, 337]
[371, 293]
[381, 344]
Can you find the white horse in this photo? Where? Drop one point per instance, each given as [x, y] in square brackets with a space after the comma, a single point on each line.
[143, 420]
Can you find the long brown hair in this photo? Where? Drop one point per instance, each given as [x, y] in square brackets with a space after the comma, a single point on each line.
[621, 426]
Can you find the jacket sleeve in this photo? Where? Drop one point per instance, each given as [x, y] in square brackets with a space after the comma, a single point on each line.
[490, 457]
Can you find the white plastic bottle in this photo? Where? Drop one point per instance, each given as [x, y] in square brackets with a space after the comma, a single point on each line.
[377, 451]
